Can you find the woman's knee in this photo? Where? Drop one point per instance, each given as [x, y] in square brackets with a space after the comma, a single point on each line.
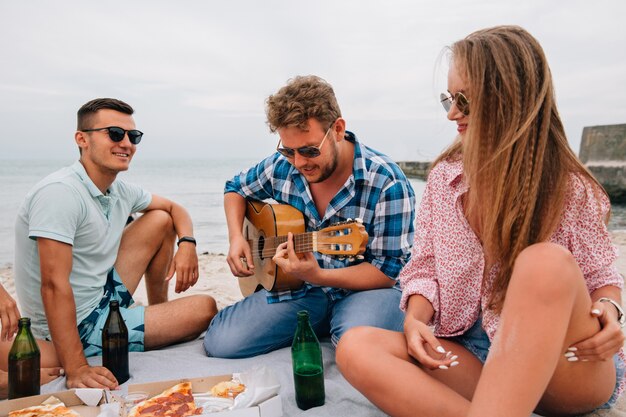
[547, 269]
[354, 343]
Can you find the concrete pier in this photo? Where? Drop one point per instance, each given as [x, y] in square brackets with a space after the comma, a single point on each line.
[413, 169]
[603, 151]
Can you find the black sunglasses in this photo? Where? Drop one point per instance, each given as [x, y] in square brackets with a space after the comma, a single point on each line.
[116, 134]
[462, 103]
[306, 151]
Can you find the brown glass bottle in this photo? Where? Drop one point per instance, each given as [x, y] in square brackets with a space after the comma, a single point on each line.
[308, 368]
[115, 344]
[24, 363]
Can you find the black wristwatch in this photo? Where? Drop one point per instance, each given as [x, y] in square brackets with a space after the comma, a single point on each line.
[186, 239]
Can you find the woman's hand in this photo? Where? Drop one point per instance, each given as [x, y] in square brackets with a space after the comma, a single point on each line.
[9, 315]
[425, 347]
[604, 344]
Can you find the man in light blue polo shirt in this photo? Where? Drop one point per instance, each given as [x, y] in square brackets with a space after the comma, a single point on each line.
[74, 253]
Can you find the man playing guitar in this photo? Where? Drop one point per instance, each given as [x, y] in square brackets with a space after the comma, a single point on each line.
[324, 172]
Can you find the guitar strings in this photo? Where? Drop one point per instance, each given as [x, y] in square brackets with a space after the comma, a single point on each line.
[302, 243]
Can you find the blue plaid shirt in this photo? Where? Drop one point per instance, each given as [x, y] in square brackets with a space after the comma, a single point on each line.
[377, 192]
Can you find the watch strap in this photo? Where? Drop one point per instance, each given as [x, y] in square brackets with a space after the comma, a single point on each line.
[189, 239]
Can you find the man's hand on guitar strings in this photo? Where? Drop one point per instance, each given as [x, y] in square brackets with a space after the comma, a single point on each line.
[303, 266]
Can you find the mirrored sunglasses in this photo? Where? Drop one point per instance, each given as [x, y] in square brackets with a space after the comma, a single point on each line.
[305, 151]
[462, 103]
[116, 134]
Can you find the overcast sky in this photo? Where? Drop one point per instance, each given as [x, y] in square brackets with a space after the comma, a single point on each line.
[198, 72]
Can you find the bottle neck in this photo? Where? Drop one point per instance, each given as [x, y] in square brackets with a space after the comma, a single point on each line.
[24, 326]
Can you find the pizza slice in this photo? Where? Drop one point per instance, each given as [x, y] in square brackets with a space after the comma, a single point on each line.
[228, 389]
[176, 401]
[45, 410]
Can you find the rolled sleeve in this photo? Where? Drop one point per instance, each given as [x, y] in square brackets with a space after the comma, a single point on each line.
[390, 245]
[584, 232]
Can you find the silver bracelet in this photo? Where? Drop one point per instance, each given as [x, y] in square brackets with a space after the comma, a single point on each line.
[621, 318]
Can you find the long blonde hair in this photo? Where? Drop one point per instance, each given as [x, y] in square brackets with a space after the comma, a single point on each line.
[516, 158]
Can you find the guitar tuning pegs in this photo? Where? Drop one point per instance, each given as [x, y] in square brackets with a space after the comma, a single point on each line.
[360, 257]
[348, 219]
[341, 258]
[358, 220]
[351, 259]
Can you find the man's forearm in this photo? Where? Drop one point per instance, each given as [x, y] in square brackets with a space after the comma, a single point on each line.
[364, 276]
[61, 314]
[235, 210]
[182, 221]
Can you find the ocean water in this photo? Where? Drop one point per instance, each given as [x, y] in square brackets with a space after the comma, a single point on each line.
[196, 184]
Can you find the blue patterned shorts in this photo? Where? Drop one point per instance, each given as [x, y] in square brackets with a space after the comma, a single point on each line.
[477, 342]
[90, 329]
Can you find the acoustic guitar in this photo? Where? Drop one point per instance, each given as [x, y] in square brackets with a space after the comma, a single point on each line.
[266, 226]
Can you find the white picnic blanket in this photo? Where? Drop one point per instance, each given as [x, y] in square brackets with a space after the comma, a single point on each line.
[188, 360]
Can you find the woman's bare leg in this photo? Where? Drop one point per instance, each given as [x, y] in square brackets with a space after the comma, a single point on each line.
[547, 309]
[376, 362]
[48, 359]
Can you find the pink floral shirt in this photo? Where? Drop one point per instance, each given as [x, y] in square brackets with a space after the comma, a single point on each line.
[447, 259]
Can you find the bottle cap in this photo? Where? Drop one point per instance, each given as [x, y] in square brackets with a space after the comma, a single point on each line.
[114, 303]
[303, 314]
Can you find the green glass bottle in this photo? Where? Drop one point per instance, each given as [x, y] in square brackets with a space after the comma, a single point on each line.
[24, 363]
[308, 368]
[115, 344]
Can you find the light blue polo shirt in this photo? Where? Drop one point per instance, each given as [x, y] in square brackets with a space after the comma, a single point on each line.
[68, 207]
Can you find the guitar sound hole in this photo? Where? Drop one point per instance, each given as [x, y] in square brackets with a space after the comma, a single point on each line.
[261, 246]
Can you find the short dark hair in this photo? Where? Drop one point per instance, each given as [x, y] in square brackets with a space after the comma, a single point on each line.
[87, 110]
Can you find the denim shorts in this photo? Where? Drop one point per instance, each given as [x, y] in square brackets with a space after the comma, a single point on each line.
[477, 342]
[90, 329]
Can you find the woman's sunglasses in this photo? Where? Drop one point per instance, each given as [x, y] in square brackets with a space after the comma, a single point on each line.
[462, 103]
[116, 134]
[306, 151]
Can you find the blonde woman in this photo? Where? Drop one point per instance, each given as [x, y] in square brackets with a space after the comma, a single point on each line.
[512, 303]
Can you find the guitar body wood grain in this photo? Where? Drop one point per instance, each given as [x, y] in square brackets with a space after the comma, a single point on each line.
[265, 221]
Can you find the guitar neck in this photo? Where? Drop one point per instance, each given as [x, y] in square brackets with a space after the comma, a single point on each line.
[303, 242]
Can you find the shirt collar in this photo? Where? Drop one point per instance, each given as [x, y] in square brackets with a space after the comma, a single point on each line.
[454, 175]
[79, 169]
[359, 167]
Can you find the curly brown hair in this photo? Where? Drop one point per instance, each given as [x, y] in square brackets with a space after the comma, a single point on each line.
[303, 97]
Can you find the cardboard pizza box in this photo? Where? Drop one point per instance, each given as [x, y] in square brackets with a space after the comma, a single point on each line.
[271, 407]
[69, 398]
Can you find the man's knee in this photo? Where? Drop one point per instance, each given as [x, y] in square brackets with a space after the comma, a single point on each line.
[205, 308]
[223, 342]
[158, 220]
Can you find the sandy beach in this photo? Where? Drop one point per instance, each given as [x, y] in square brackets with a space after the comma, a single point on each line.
[217, 281]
